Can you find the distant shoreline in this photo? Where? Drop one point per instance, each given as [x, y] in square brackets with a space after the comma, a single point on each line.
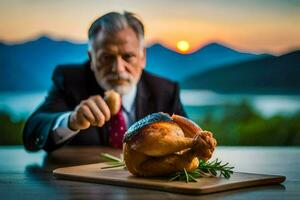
[19, 104]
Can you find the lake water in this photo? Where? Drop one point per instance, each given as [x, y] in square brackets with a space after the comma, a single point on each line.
[21, 104]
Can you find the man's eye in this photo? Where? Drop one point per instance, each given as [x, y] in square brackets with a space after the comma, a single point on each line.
[106, 58]
[127, 57]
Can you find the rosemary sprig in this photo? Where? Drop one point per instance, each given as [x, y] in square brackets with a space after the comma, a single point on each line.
[216, 166]
[113, 161]
[205, 169]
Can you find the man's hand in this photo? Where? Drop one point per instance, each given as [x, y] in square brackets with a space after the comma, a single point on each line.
[90, 112]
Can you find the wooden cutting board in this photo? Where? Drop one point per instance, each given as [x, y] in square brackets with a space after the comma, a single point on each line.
[119, 176]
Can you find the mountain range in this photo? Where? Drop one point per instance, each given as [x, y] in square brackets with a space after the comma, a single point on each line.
[176, 66]
[270, 74]
[28, 66]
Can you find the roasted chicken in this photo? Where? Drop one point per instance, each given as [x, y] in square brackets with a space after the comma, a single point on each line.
[160, 145]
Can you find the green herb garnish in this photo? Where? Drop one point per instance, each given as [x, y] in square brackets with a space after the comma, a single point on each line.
[113, 161]
[205, 169]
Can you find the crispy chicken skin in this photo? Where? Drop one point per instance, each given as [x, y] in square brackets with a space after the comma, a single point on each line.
[161, 147]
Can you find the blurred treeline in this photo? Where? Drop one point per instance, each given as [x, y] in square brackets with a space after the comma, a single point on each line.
[238, 124]
[10, 130]
[242, 125]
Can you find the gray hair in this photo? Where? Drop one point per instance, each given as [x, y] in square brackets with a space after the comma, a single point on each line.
[113, 22]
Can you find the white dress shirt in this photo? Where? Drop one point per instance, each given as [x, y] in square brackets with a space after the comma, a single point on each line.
[61, 131]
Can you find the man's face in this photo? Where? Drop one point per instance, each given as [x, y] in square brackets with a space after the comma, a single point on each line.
[117, 60]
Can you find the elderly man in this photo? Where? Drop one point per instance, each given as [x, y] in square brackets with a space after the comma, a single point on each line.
[74, 111]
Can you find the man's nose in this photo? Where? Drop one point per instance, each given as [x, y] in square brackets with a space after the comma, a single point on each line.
[119, 65]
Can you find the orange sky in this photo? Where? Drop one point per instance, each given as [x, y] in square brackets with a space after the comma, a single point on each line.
[257, 25]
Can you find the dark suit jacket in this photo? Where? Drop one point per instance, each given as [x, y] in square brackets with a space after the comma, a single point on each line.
[74, 83]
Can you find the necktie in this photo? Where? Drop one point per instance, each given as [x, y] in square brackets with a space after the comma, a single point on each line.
[117, 128]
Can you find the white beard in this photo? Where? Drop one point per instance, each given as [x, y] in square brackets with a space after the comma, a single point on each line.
[121, 89]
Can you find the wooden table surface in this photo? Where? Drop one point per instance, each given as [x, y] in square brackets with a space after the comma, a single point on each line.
[26, 175]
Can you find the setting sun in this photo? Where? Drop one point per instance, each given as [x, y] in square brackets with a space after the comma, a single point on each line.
[183, 46]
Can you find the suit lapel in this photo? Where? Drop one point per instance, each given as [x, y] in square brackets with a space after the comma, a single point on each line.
[144, 105]
[93, 88]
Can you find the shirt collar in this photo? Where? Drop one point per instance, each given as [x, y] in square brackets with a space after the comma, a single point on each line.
[128, 99]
